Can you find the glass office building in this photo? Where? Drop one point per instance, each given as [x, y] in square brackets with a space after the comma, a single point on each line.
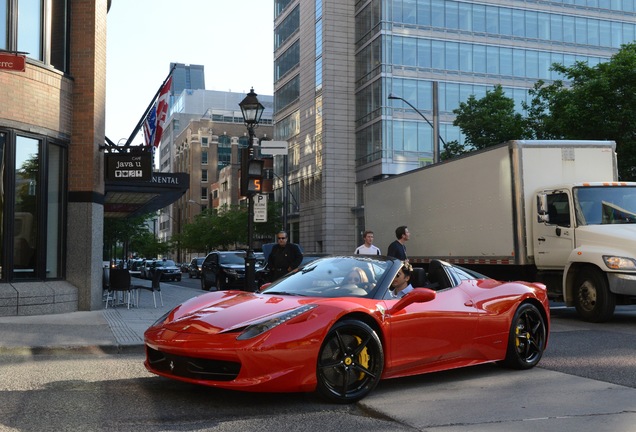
[336, 64]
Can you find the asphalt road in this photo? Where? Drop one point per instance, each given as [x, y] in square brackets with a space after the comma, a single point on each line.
[585, 382]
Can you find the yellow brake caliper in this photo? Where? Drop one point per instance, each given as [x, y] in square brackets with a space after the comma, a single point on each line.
[363, 358]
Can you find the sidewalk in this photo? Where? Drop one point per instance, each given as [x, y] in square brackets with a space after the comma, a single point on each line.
[111, 330]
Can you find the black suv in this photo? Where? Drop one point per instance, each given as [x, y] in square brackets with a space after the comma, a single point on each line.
[194, 269]
[223, 269]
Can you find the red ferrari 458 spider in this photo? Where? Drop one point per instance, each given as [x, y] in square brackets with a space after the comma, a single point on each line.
[320, 329]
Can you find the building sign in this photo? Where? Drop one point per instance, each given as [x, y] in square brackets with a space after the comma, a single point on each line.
[14, 62]
[128, 167]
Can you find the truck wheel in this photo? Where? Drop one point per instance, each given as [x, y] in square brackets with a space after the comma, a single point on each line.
[593, 300]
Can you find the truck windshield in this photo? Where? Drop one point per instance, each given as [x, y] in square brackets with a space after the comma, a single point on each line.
[600, 205]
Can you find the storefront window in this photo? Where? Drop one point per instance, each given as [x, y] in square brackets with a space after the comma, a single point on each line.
[32, 199]
[26, 207]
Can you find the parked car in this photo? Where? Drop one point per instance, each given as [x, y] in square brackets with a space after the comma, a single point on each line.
[224, 269]
[169, 270]
[317, 330]
[194, 269]
[135, 267]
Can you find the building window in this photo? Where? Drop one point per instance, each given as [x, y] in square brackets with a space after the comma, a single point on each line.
[204, 142]
[204, 194]
[34, 168]
[38, 28]
[224, 151]
[204, 158]
[204, 175]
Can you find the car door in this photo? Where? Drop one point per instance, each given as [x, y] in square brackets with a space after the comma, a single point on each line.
[424, 336]
[214, 268]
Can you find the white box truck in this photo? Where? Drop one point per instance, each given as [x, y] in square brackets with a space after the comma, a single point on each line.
[548, 211]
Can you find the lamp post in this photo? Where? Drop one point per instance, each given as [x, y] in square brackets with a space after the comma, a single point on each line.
[252, 111]
[436, 136]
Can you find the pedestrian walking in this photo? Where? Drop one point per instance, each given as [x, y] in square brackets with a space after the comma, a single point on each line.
[397, 249]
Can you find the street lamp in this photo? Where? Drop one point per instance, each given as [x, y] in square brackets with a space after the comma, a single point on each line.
[436, 135]
[252, 111]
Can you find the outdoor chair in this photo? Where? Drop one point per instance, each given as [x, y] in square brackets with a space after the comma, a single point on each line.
[119, 282]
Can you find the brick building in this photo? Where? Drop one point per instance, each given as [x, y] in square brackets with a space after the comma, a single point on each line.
[52, 120]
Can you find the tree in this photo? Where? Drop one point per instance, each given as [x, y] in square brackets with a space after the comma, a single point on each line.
[120, 231]
[226, 228]
[488, 121]
[598, 103]
[453, 149]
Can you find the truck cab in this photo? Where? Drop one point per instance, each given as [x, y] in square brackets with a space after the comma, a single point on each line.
[589, 231]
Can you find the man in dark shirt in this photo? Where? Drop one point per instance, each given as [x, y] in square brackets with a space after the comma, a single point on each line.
[284, 257]
[397, 249]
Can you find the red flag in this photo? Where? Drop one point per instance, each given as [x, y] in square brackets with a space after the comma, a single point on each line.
[162, 110]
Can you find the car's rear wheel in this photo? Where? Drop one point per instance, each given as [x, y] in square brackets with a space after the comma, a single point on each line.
[527, 338]
[350, 362]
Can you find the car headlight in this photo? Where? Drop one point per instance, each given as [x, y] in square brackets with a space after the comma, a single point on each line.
[162, 319]
[254, 330]
[619, 263]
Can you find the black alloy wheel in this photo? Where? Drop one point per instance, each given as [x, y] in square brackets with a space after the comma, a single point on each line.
[350, 362]
[527, 338]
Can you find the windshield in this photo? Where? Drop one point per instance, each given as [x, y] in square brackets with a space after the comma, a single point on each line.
[335, 277]
[601, 205]
[166, 263]
[232, 258]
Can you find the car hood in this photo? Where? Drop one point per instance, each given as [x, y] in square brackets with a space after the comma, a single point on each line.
[226, 311]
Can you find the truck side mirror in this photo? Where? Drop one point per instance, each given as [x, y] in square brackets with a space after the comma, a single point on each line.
[542, 208]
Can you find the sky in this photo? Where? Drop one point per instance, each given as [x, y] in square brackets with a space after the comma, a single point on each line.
[232, 39]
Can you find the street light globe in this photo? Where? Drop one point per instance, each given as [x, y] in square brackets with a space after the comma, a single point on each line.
[251, 108]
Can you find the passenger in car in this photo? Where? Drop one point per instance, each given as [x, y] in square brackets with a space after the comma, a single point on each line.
[401, 283]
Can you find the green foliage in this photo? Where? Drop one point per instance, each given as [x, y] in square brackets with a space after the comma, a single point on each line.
[598, 104]
[490, 120]
[226, 228]
[453, 149]
[147, 245]
[134, 232]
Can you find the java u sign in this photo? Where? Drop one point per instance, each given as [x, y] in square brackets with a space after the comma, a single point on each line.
[128, 167]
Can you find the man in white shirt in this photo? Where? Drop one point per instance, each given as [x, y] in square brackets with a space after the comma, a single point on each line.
[367, 248]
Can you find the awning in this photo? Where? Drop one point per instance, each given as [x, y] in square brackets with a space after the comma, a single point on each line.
[128, 198]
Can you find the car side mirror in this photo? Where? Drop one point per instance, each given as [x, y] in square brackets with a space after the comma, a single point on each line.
[418, 295]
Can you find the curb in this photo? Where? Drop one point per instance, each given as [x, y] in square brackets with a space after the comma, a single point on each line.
[96, 350]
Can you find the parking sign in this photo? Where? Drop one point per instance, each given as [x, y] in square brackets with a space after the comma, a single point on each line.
[260, 208]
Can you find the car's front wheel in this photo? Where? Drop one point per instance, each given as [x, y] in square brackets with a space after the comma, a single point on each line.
[527, 338]
[350, 362]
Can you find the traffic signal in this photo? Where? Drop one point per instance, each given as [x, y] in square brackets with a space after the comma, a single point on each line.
[251, 174]
[255, 176]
